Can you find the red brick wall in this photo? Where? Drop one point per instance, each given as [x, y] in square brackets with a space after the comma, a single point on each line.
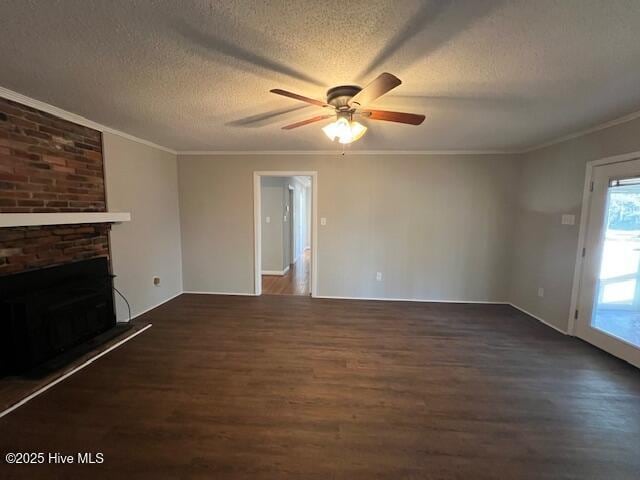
[28, 248]
[48, 164]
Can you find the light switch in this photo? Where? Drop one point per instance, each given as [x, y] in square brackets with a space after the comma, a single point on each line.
[323, 221]
[267, 220]
[568, 219]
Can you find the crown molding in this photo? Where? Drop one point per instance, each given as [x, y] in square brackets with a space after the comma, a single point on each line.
[72, 117]
[602, 126]
[80, 120]
[339, 152]
[581, 133]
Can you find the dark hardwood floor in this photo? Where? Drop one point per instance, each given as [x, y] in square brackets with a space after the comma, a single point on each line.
[283, 387]
[295, 282]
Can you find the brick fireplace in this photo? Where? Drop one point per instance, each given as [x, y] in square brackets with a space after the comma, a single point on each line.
[56, 287]
[49, 165]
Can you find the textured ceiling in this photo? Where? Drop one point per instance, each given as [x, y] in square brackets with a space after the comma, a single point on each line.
[195, 75]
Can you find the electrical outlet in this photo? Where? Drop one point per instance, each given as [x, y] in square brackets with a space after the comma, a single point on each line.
[540, 292]
[156, 281]
[379, 276]
[323, 221]
[267, 220]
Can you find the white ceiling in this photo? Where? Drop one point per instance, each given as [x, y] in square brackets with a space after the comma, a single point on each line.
[190, 75]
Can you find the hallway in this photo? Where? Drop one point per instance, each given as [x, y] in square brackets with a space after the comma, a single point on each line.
[295, 282]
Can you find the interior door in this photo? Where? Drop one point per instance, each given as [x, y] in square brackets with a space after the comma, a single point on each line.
[609, 302]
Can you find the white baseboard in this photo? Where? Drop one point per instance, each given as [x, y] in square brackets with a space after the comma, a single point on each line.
[539, 319]
[71, 372]
[276, 272]
[378, 299]
[151, 308]
[422, 300]
[241, 294]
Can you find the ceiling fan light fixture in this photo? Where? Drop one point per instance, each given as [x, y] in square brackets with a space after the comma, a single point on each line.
[357, 131]
[344, 131]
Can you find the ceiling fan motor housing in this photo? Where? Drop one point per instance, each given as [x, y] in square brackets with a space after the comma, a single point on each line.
[339, 96]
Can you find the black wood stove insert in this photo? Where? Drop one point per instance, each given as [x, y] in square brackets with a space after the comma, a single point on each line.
[52, 315]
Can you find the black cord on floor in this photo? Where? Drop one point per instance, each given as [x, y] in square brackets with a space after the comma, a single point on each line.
[125, 301]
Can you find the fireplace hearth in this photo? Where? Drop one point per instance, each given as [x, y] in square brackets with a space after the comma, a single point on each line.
[53, 315]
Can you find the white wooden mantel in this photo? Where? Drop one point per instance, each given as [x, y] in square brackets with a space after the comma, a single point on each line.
[74, 218]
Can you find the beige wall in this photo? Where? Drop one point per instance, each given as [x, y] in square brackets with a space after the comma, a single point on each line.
[273, 190]
[551, 183]
[287, 223]
[437, 227]
[301, 216]
[143, 180]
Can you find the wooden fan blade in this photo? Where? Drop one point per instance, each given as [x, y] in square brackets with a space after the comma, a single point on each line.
[381, 85]
[306, 122]
[295, 96]
[398, 117]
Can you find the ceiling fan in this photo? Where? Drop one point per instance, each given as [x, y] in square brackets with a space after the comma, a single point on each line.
[349, 101]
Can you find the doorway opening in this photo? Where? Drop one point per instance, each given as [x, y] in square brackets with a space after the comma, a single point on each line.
[608, 308]
[284, 232]
[617, 299]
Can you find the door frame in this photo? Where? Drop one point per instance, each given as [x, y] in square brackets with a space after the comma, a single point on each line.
[584, 216]
[257, 225]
